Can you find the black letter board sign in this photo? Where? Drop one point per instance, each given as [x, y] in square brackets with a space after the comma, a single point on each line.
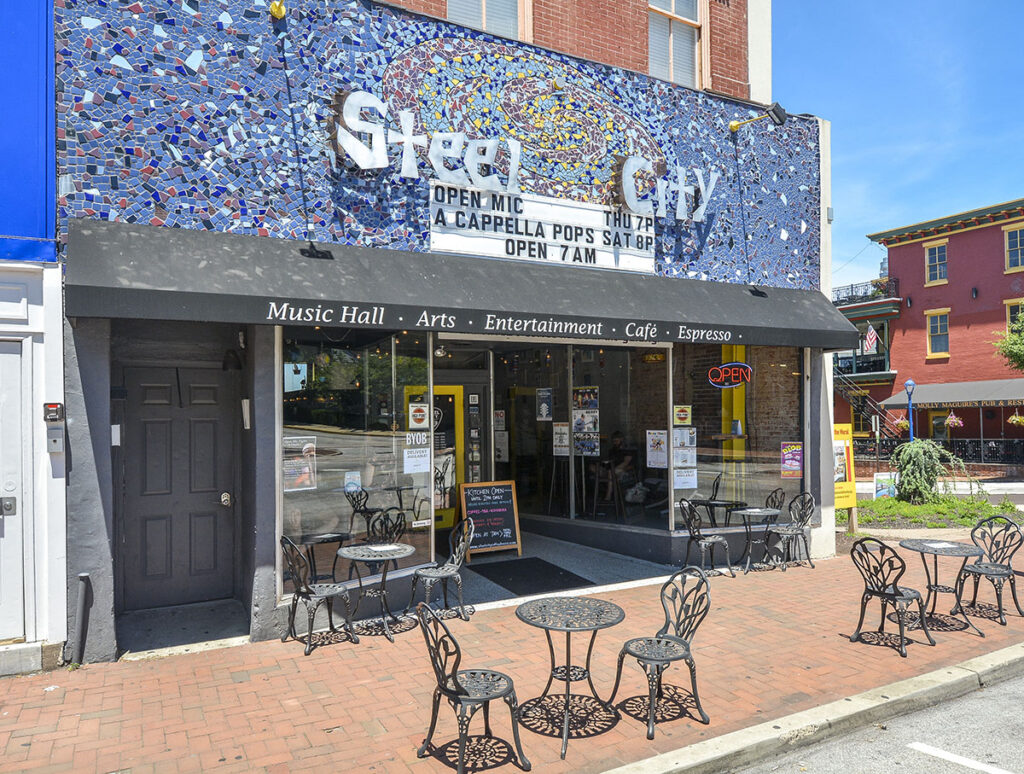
[492, 507]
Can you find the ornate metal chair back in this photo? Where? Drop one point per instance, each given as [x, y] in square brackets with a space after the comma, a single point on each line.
[714, 487]
[690, 518]
[999, 537]
[443, 649]
[880, 566]
[685, 608]
[386, 527]
[440, 474]
[357, 499]
[458, 543]
[801, 508]
[297, 564]
[776, 498]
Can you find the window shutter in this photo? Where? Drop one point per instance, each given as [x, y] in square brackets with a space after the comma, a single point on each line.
[503, 17]
[467, 12]
[658, 46]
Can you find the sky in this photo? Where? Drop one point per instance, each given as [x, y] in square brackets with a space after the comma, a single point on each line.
[926, 101]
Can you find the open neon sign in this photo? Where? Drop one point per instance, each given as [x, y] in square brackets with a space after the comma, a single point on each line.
[730, 375]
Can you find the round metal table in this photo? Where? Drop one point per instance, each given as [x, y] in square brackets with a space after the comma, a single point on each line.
[712, 505]
[749, 515]
[369, 553]
[570, 614]
[939, 548]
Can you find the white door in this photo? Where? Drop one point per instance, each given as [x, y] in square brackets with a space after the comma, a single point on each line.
[12, 513]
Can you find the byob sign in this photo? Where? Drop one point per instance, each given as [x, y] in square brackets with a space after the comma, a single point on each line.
[730, 375]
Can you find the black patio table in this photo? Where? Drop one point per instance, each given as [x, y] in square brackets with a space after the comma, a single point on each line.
[939, 548]
[712, 505]
[750, 515]
[371, 553]
[570, 614]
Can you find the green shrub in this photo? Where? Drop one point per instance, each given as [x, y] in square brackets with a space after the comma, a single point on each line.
[921, 464]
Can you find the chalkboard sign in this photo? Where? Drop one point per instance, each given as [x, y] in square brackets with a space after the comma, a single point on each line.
[492, 507]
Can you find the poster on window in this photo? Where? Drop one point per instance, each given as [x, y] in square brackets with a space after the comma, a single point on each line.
[684, 478]
[499, 419]
[657, 449]
[584, 398]
[560, 439]
[501, 445]
[684, 437]
[416, 459]
[586, 421]
[299, 463]
[685, 457]
[792, 459]
[587, 444]
[544, 404]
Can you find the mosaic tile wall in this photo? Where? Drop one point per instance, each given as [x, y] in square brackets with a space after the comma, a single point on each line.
[207, 114]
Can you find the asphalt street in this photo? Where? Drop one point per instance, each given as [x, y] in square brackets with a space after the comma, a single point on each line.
[981, 732]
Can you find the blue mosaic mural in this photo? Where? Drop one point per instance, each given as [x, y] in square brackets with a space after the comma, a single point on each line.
[208, 114]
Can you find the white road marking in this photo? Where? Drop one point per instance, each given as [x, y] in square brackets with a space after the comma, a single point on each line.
[958, 759]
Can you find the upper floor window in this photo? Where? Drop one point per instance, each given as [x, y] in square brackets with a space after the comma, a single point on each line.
[1013, 310]
[935, 263]
[499, 17]
[673, 34]
[938, 332]
[1015, 248]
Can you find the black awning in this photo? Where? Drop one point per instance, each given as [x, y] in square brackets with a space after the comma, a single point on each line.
[991, 392]
[130, 271]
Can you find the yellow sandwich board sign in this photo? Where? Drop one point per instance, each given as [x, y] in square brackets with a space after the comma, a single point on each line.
[842, 454]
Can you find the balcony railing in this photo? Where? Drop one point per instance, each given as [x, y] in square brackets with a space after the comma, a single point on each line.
[998, 451]
[861, 364]
[865, 291]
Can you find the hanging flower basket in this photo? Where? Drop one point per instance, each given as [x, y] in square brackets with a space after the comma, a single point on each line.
[1015, 419]
[904, 424]
[952, 420]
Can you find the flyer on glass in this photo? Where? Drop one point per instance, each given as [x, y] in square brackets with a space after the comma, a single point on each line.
[299, 463]
[657, 448]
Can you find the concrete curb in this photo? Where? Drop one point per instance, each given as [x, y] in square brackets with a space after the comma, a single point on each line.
[777, 737]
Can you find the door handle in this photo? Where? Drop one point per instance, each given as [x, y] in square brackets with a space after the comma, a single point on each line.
[225, 499]
[8, 506]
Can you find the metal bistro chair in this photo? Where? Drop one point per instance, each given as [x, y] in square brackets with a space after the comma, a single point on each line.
[386, 527]
[776, 498]
[692, 521]
[312, 595]
[458, 543]
[801, 508]
[466, 690]
[999, 537]
[881, 567]
[685, 609]
[357, 498]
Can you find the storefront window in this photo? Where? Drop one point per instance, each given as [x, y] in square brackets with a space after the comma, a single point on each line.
[355, 420]
[744, 405]
[620, 433]
[531, 400]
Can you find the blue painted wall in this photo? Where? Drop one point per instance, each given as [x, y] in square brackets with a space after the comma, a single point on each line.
[182, 114]
[27, 163]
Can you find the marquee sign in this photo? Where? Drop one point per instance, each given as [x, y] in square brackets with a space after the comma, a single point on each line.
[730, 375]
[538, 228]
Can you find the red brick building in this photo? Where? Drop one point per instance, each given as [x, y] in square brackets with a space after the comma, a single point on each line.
[953, 285]
[722, 46]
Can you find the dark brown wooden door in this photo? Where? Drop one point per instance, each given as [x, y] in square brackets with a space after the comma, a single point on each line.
[179, 462]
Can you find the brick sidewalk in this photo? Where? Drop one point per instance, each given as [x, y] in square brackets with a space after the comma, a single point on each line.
[774, 643]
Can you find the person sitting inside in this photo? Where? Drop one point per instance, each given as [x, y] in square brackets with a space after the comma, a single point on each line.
[618, 465]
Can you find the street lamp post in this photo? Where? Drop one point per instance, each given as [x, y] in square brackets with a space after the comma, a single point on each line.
[909, 386]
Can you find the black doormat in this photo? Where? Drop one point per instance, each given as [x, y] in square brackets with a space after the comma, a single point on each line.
[529, 575]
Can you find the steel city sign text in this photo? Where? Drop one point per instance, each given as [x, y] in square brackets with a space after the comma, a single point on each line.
[478, 157]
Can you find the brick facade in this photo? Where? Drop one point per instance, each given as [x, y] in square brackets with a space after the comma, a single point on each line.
[614, 32]
[975, 261]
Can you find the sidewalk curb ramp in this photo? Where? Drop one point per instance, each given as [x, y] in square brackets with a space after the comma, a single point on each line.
[748, 746]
